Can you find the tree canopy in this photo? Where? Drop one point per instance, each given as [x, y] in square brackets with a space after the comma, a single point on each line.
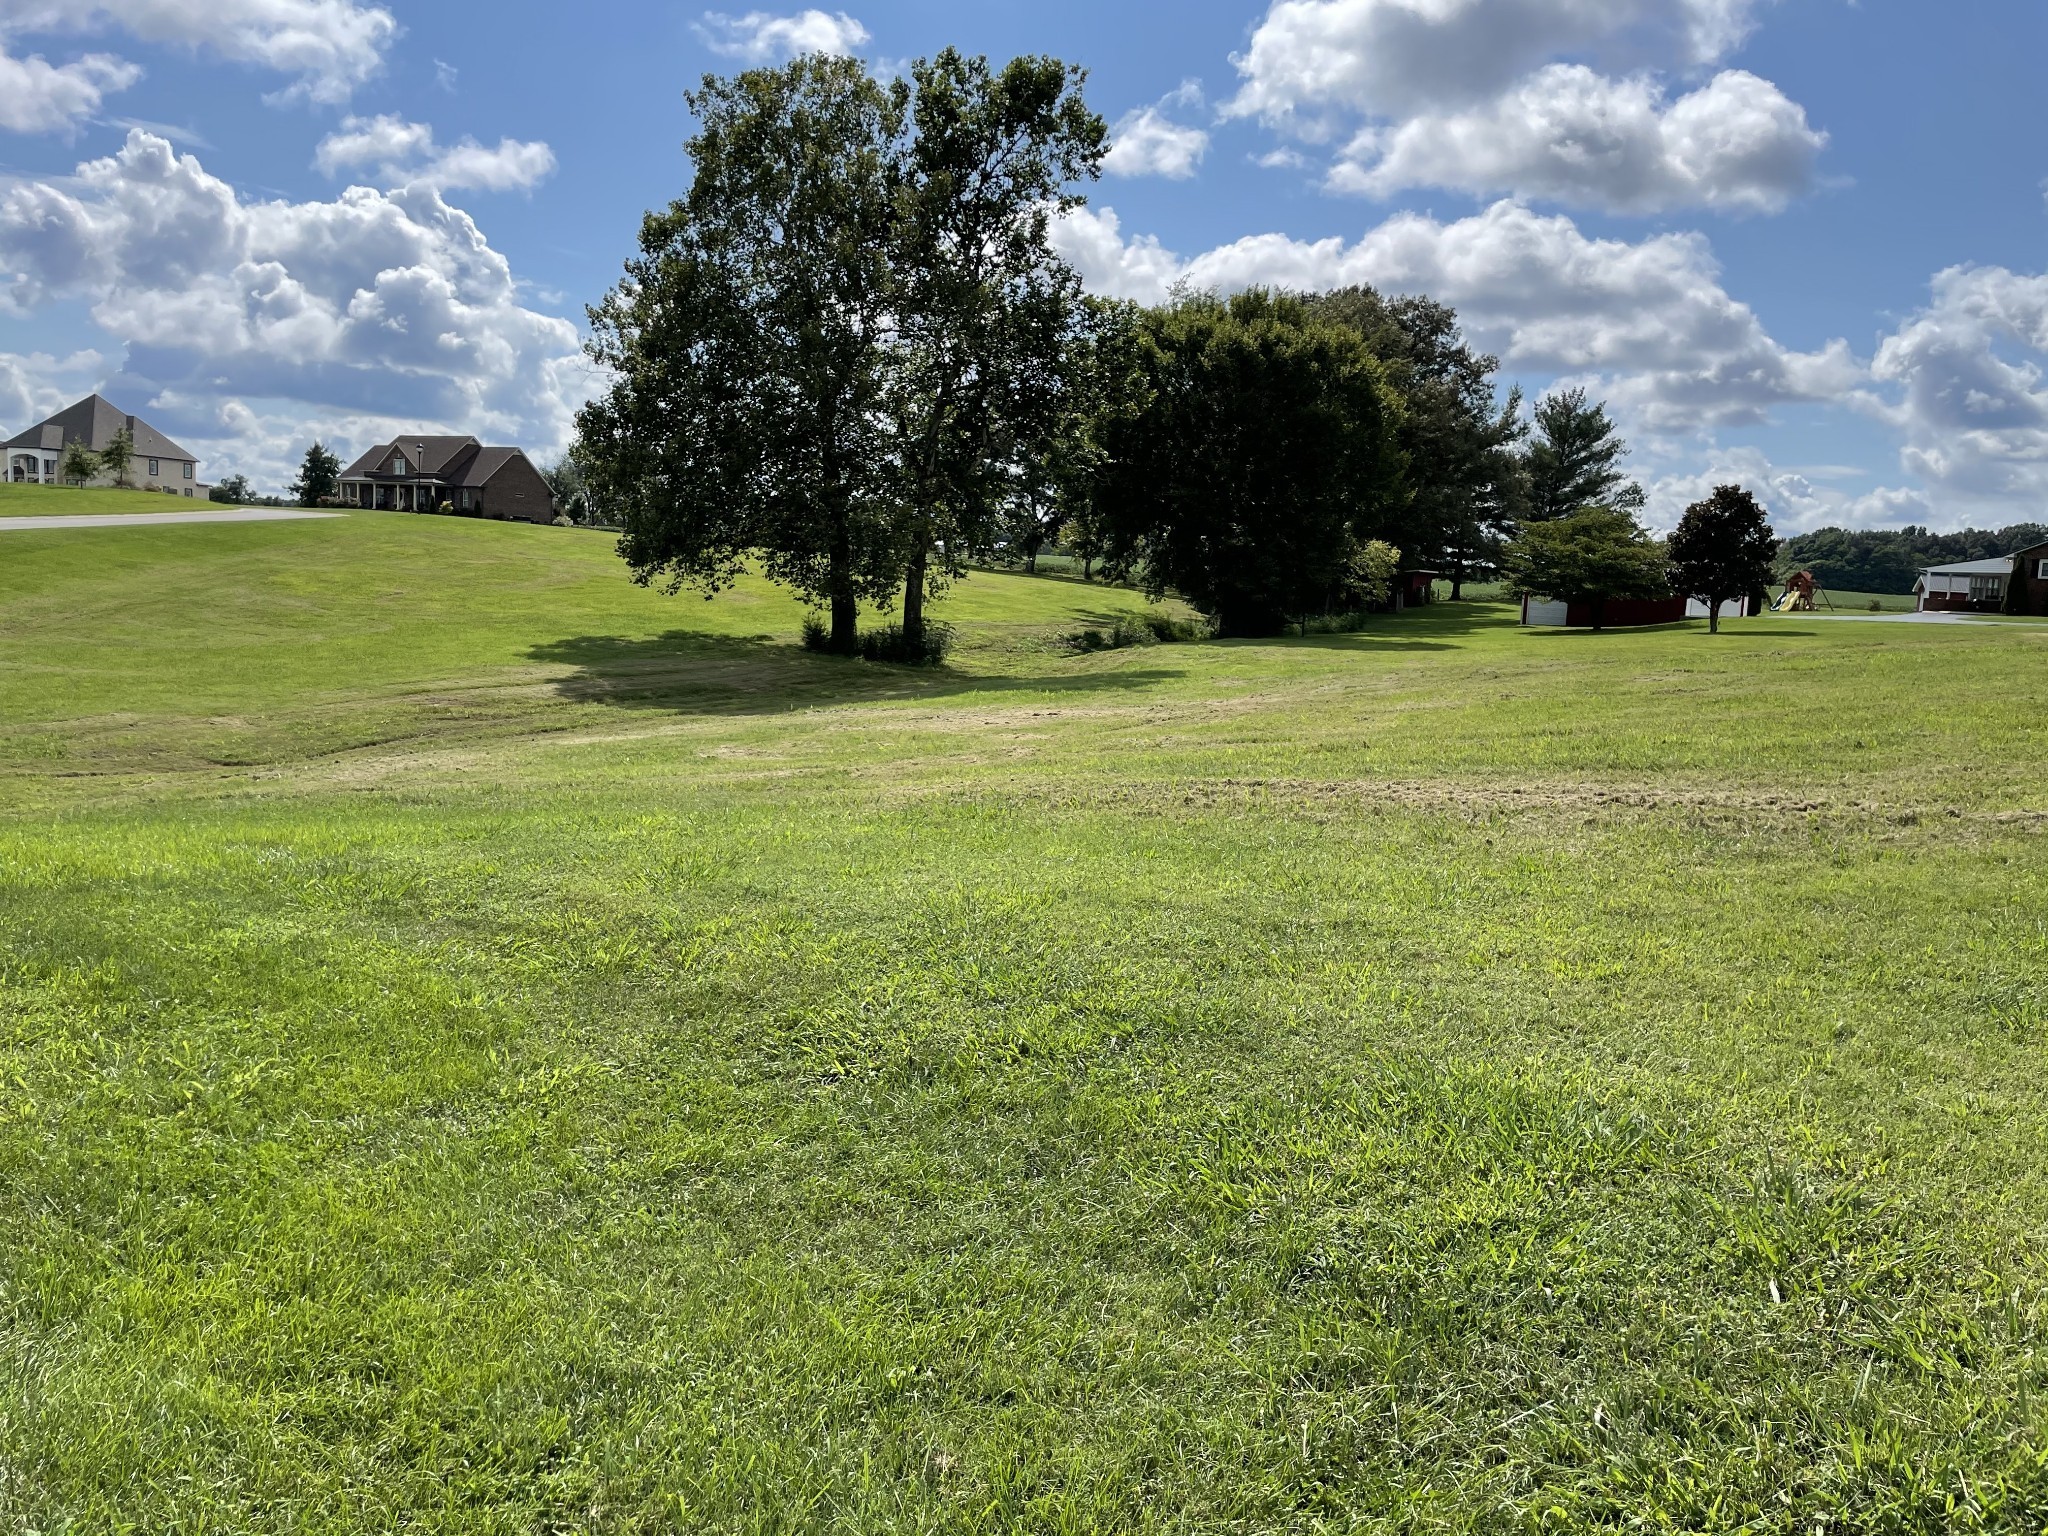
[1465, 481]
[1890, 559]
[319, 477]
[1722, 549]
[843, 349]
[1256, 457]
[1594, 555]
[1574, 459]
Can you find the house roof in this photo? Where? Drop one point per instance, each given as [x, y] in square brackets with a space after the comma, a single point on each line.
[94, 421]
[427, 455]
[488, 462]
[2000, 566]
[459, 461]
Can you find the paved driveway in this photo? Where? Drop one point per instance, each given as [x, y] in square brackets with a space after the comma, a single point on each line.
[158, 519]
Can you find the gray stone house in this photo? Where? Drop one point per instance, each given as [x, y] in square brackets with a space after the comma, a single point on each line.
[36, 457]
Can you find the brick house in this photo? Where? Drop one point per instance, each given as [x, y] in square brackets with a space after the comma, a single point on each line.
[1980, 586]
[457, 475]
[36, 457]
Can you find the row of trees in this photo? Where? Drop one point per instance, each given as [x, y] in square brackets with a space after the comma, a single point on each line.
[850, 353]
[1891, 559]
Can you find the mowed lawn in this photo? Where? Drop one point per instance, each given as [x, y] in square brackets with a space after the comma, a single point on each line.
[488, 1048]
[23, 500]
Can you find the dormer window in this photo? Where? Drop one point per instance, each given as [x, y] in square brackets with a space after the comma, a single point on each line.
[398, 464]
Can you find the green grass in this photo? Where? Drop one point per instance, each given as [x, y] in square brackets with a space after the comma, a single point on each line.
[484, 1047]
[88, 501]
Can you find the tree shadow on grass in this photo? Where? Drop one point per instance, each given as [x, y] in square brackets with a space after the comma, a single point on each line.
[1442, 626]
[690, 673]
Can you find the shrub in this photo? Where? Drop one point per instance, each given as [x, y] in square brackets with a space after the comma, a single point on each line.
[1152, 628]
[884, 644]
[890, 644]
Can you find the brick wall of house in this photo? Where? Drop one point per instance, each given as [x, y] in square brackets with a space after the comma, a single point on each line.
[2027, 570]
[518, 492]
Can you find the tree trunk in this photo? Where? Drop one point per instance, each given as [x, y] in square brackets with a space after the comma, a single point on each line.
[913, 602]
[1599, 614]
[845, 606]
[1713, 614]
[1087, 567]
[1457, 588]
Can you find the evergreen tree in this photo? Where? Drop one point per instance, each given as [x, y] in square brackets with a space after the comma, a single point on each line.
[118, 455]
[1574, 460]
[319, 479]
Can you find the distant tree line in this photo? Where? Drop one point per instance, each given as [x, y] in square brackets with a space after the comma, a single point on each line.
[1891, 559]
[849, 357]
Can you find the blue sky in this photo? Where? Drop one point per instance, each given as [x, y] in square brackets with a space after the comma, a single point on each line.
[1796, 243]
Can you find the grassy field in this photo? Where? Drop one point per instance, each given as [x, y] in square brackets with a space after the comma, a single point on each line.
[488, 1048]
[81, 501]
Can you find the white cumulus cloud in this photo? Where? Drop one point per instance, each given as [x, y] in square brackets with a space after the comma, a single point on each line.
[1519, 97]
[1573, 135]
[1399, 58]
[390, 305]
[760, 37]
[329, 46]
[403, 152]
[37, 96]
[1150, 142]
[1964, 386]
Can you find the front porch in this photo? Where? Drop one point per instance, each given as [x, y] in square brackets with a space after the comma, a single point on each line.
[31, 469]
[394, 496]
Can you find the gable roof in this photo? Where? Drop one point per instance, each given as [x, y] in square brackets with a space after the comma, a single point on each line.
[426, 455]
[94, 421]
[488, 462]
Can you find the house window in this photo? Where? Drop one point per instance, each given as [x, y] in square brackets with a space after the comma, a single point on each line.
[152, 467]
[398, 464]
[2041, 570]
[188, 471]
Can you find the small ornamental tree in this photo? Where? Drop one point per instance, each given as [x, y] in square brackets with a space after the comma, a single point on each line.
[1594, 556]
[118, 455]
[319, 477]
[1723, 549]
[80, 463]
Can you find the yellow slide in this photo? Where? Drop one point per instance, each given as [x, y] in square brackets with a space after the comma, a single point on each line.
[1785, 603]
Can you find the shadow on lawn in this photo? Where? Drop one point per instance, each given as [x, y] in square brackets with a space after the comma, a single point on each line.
[694, 673]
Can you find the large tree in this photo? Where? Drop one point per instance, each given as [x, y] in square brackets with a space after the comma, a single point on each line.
[989, 315]
[1254, 462]
[1574, 460]
[1465, 480]
[748, 347]
[1594, 555]
[838, 348]
[319, 479]
[1723, 548]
